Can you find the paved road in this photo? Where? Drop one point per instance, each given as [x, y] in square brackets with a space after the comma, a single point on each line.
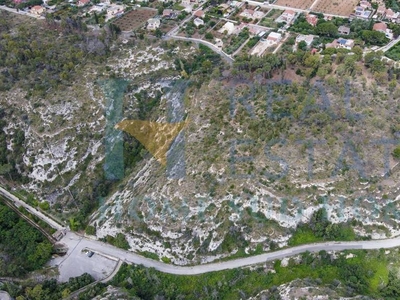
[78, 243]
[225, 56]
[389, 45]
[4, 295]
[130, 257]
[29, 208]
[21, 12]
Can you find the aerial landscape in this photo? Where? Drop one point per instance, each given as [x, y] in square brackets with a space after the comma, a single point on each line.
[193, 149]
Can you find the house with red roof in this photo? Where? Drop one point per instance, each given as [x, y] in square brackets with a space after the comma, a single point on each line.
[381, 27]
[287, 16]
[312, 19]
[37, 10]
[199, 14]
[81, 3]
[381, 10]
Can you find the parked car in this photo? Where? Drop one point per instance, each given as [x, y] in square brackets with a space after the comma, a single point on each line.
[90, 253]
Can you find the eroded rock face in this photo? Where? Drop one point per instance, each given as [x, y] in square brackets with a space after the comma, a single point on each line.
[63, 149]
[246, 183]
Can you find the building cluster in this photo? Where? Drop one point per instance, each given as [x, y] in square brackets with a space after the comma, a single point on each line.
[250, 18]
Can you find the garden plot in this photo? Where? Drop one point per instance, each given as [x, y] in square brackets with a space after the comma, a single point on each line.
[336, 7]
[134, 19]
[301, 4]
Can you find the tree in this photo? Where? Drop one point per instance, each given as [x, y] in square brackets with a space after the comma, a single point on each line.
[302, 46]
[311, 61]
[323, 71]
[372, 37]
[396, 152]
[158, 33]
[65, 293]
[90, 230]
[350, 64]
[209, 36]
[327, 29]
[358, 52]
[392, 85]
[36, 293]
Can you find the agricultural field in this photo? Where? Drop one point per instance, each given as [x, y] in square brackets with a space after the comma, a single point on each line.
[301, 4]
[336, 7]
[134, 19]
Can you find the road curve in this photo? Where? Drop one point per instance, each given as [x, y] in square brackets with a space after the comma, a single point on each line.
[78, 243]
[225, 56]
[134, 258]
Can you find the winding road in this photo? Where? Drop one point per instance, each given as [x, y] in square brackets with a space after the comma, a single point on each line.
[77, 244]
[225, 56]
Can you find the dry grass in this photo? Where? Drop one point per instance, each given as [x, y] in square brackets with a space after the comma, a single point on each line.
[336, 7]
[134, 19]
[301, 4]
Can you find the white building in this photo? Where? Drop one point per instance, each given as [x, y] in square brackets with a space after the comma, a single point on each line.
[273, 38]
[287, 16]
[153, 24]
[229, 27]
[308, 39]
[198, 22]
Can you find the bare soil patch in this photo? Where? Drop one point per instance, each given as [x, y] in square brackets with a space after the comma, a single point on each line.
[301, 4]
[336, 7]
[134, 19]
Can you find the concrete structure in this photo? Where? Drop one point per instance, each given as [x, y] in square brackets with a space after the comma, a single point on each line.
[153, 24]
[287, 16]
[365, 4]
[381, 11]
[198, 22]
[229, 27]
[390, 14]
[341, 43]
[252, 14]
[81, 3]
[168, 13]
[59, 234]
[258, 14]
[5, 296]
[114, 10]
[308, 39]
[362, 13]
[382, 27]
[247, 13]
[344, 30]
[274, 38]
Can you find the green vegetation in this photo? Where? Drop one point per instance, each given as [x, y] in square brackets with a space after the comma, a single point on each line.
[22, 248]
[43, 63]
[394, 52]
[396, 152]
[118, 241]
[320, 229]
[90, 230]
[150, 255]
[360, 30]
[365, 273]
[49, 289]
[201, 66]
[237, 41]
[252, 42]
[11, 161]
